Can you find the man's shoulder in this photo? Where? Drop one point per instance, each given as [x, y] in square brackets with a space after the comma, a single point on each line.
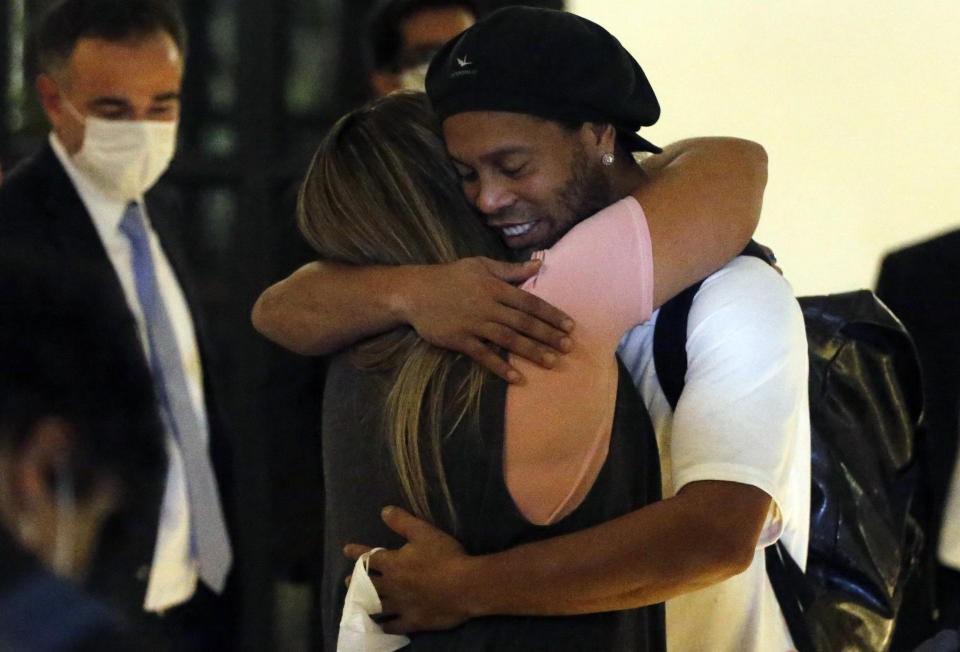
[746, 317]
[746, 306]
[30, 184]
[165, 195]
[746, 270]
[948, 240]
[746, 284]
[930, 257]
[913, 279]
[34, 168]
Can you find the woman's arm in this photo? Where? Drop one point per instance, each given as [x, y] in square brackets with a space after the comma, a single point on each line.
[558, 425]
[470, 306]
[702, 199]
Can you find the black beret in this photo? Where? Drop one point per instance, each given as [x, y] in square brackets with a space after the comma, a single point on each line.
[546, 63]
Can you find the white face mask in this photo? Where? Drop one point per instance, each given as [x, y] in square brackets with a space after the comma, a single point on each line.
[124, 158]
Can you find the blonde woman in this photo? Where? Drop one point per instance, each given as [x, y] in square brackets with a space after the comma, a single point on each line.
[409, 424]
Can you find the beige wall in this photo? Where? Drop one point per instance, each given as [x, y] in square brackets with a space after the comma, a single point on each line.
[856, 101]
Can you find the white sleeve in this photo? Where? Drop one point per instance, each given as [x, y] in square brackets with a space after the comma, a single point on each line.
[743, 415]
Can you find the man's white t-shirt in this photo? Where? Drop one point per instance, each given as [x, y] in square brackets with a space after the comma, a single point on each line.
[743, 417]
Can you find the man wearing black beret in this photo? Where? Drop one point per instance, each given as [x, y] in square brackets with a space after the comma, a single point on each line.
[519, 93]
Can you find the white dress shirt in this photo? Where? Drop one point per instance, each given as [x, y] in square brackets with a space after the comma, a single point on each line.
[173, 575]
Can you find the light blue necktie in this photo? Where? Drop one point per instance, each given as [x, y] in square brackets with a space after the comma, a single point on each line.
[209, 543]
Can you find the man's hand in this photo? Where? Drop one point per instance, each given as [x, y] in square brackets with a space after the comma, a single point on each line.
[424, 584]
[472, 307]
[705, 534]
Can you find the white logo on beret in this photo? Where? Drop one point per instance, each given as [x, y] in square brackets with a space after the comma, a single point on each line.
[463, 62]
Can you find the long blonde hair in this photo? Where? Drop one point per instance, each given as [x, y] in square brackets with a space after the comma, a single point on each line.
[381, 191]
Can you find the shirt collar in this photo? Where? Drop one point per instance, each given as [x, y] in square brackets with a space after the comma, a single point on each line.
[105, 211]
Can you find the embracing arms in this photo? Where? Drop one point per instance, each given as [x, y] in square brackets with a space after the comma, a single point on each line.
[740, 435]
[323, 307]
[641, 558]
[702, 198]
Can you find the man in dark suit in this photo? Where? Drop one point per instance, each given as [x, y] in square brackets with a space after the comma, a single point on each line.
[920, 284]
[110, 84]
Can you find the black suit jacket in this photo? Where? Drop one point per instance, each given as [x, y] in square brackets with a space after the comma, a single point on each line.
[921, 284]
[42, 215]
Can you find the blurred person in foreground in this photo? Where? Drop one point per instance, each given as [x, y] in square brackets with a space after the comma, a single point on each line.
[110, 76]
[79, 441]
[403, 35]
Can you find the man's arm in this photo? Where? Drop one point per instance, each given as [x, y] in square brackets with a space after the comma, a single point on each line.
[701, 195]
[704, 534]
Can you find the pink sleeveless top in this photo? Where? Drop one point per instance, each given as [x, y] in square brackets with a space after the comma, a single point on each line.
[558, 423]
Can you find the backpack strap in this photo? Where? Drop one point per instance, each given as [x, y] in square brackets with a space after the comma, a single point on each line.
[788, 580]
[670, 334]
[757, 250]
[670, 363]
[670, 344]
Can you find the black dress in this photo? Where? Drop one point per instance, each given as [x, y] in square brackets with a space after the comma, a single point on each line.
[359, 481]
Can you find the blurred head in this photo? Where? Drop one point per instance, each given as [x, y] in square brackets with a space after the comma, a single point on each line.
[540, 110]
[404, 35]
[79, 432]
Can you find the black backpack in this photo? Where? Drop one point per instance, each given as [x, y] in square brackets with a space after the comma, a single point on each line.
[865, 407]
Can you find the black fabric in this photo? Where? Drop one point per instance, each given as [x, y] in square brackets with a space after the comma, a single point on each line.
[865, 405]
[919, 284]
[42, 216]
[547, 63]
[359, 481]
[789, 585]
[290, 392]
[670, 344]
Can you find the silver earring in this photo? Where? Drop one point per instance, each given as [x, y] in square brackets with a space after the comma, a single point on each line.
[607, 159]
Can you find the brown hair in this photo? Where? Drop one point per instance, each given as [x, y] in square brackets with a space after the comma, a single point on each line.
[381, 191]
[68, 21]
